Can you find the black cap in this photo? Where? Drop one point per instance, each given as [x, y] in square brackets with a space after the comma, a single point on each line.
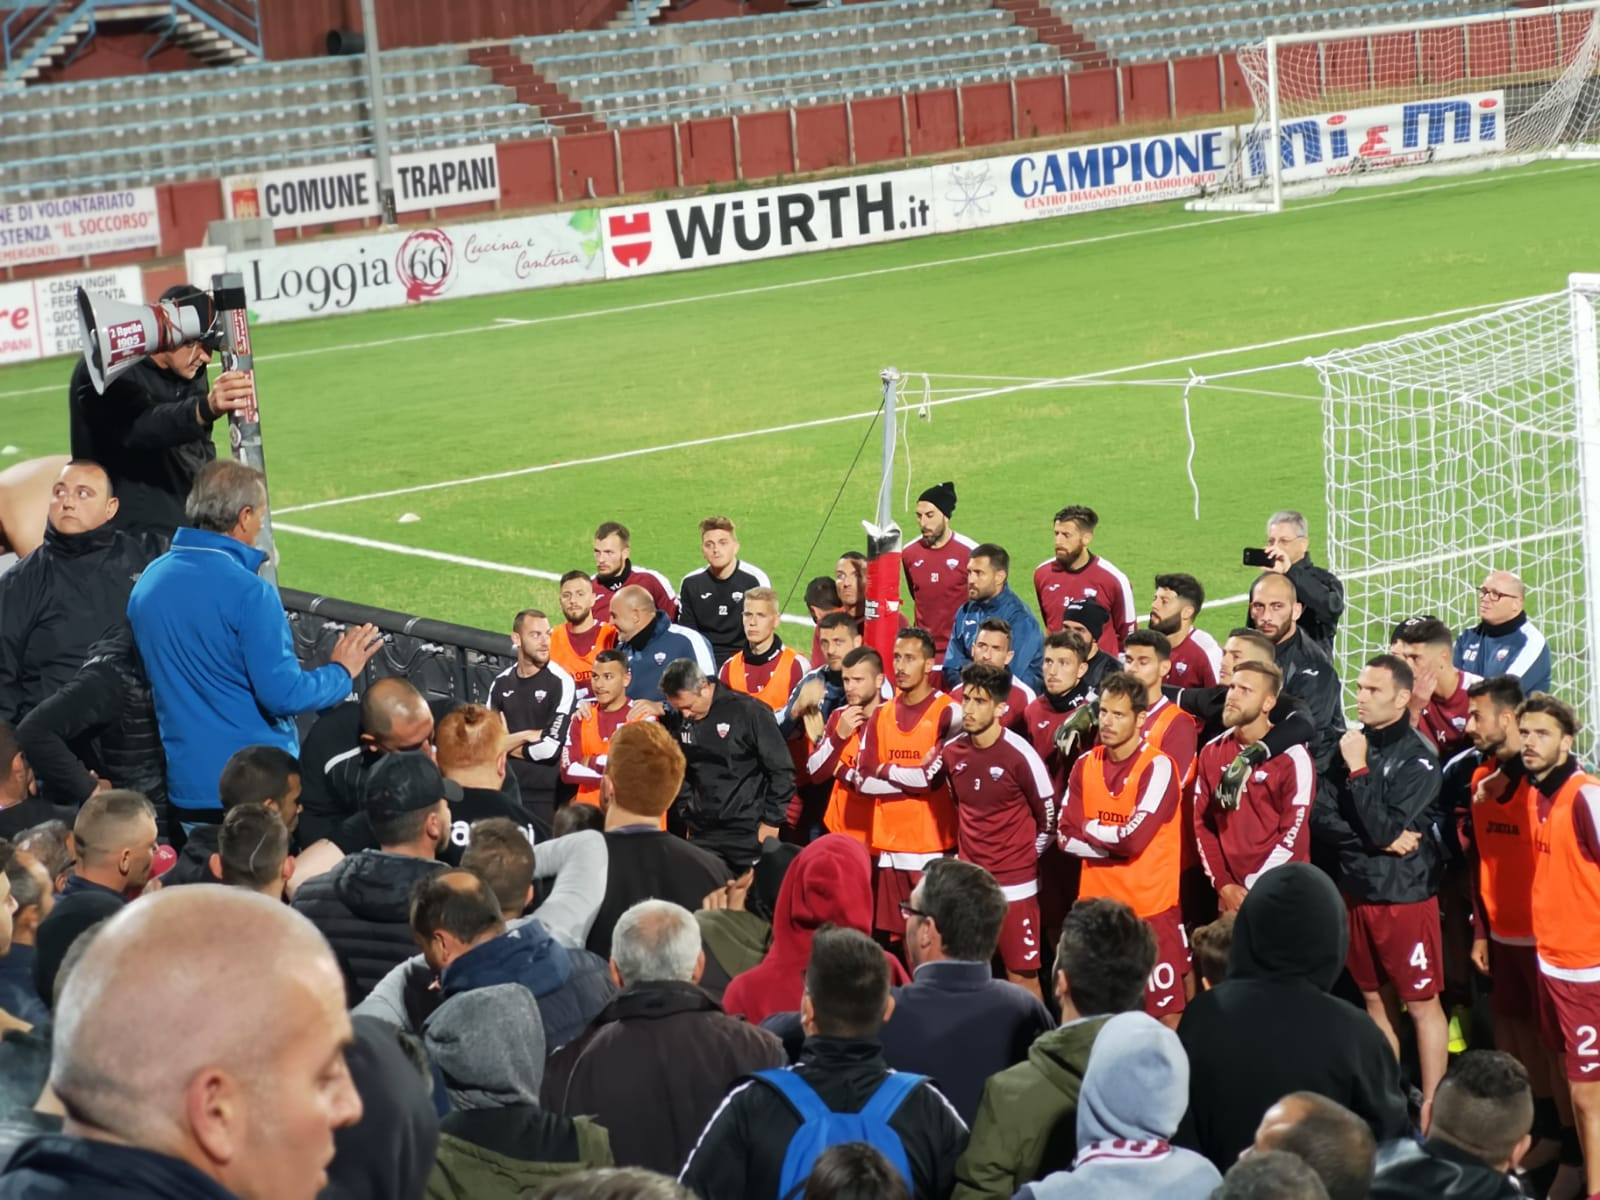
[942, 496]
[1088, 614]
[406, 781]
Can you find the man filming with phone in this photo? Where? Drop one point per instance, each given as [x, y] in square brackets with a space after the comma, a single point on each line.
[1319, 590]
[151, 428]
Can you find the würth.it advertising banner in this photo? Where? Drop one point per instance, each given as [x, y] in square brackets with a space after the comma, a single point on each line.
[346, 191]
[73, 226]
[1054, 183]
[301, 280]
[769, 223]
[39, 317]
[1385, 136]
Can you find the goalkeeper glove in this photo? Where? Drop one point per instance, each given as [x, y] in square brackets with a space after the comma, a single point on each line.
[1232, 781]
[1073, 729]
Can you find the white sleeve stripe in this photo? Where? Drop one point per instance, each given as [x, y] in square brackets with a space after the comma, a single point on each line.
[666, 584]
[819, 756]
[1035, 765]
[1305, 776]
[342, 756]
[930, 1086]
[726, 1100]
[1532, 646]
[706, 661]
[759, 575]
[1156, 782]
[1207, 645]
[1127, 588]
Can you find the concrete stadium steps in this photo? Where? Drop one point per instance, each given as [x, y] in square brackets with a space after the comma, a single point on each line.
[1150, 30]
[249, 118]
[695, 68]
[511, 71]
[58, 42]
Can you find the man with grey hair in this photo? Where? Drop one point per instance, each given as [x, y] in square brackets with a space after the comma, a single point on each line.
[740, 777]
[1320, 592]
[661, 1047]
[231, 1089]
[1504, 641]
[217, 647]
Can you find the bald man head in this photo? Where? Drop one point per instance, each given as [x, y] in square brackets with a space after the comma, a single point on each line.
[1274, 607]
[237, 1070]
[1501, 598]
[116, 837]
[632, 610]
[451, 912]
[396, 717]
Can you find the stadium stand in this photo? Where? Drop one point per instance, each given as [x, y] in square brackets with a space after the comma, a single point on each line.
[98, 134]
[1147, 30]
[309, 110]
[745, 64]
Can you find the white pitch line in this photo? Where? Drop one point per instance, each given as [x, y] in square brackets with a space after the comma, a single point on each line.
[504, 323]
[909, 400]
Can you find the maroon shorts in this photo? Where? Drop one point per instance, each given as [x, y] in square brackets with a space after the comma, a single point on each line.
[1569, 1020]
[1399, 943]
[1513, 981]
[1163, 994]
[1019, 936]
[893, 886]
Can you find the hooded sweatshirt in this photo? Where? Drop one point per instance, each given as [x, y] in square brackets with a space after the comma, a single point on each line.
[570, 986]
[829, 883]
[1271, 1028]
[734, 940]
[489, 1046]
[1132, 1100]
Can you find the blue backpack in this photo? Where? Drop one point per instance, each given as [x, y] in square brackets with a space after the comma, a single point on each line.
[821, 1127]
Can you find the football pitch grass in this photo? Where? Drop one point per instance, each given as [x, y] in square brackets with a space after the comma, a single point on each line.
[511, 425]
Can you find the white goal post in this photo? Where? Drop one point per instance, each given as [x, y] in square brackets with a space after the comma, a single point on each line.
[1467, 448]
[1384, 103]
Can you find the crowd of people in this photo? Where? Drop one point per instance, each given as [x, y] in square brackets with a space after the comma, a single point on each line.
[1056, 899]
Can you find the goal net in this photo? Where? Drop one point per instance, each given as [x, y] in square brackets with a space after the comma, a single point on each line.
[1467, 448]
[1384, 103]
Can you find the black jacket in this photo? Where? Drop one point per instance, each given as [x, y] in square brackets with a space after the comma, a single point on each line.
[58, 1167]
[1271, 1028]
[740, 775]
[1321, 597]
[1361, 814]
[194, 860]
[740, 1154]
[387, 1154]
[54, 605]
[651, 864]
[1437, 1170]
[1309, 673]
[1291, 724]
[151, 431]
[363, 908]
[664, 1048]
[960, 1004]
[103, 719]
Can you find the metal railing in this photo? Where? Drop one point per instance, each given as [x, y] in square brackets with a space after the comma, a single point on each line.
[32, 30]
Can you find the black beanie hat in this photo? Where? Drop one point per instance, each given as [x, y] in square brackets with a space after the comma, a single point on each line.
[1087, 613]
[942, 496]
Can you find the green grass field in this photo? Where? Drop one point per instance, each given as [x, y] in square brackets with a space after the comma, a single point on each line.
[397, 399]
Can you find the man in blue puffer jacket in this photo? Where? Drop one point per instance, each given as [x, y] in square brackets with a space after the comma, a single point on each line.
[990, 595]
[217, 647]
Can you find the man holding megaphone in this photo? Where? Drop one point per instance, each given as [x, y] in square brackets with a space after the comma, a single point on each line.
[142, 406]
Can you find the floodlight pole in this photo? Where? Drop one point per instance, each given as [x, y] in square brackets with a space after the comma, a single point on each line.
[244, 425]
[380, 114]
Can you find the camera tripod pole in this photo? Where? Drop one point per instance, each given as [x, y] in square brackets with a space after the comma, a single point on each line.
[244, 425]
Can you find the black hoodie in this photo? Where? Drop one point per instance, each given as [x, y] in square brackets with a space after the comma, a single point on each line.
[1271, 1027]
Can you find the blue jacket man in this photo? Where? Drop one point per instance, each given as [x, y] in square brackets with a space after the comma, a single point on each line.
[990, 595]
[651, 641]
[1504, 641]
[217, 647]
